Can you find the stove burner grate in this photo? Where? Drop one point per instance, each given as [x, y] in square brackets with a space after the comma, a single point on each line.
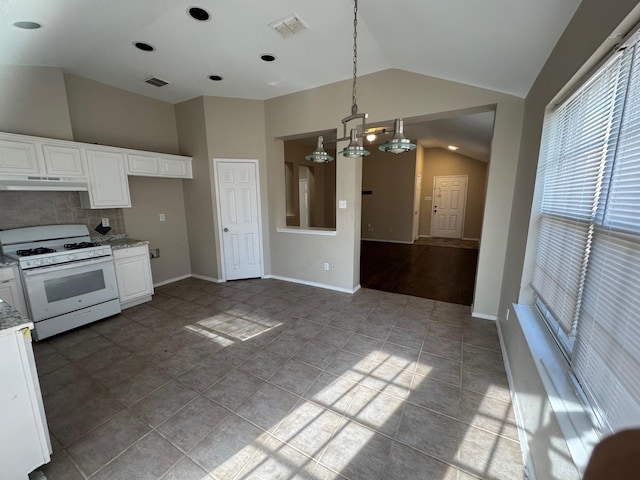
[75, 246]
[34, 251]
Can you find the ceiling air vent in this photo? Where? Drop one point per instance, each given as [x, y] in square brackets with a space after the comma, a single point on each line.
[156, 82]
[289, 26]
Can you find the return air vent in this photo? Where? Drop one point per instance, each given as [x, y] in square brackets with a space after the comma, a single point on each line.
[289, 26]
[156, 82]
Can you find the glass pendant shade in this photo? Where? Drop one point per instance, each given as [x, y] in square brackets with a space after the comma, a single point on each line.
[319, 155]
[354, 149]
[398, 143]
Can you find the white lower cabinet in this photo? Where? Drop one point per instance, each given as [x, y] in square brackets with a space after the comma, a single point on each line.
[11, 289]
[24, 435]
[133, 273]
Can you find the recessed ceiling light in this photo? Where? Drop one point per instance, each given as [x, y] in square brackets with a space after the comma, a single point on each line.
[268, 57]
[198, 13]
[215, 78]
[453, 147]
[27, 25]
[145, 47]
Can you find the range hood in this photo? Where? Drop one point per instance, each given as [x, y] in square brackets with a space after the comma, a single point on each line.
[43, 183]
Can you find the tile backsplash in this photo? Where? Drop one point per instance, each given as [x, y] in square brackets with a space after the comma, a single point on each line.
[29, 209]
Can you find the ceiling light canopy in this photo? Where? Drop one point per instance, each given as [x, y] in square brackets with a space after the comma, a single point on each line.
[397, 144]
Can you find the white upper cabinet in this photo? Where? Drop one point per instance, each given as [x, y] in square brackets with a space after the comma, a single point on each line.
[143, 165]
[18, 158]
[170, 167]
[158, 165]
[62, 160]
[106, 168]
[108, 184]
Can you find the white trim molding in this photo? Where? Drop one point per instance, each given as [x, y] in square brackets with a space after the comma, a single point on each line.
[315, 284]
[171, 280]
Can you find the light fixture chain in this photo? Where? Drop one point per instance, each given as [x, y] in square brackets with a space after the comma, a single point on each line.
[354, 104]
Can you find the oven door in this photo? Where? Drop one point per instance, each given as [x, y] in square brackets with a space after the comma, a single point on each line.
[61, 289]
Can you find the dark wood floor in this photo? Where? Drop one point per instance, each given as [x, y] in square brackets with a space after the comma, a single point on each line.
[440, 273]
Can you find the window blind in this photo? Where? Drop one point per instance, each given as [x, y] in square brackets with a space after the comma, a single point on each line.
[587, 264]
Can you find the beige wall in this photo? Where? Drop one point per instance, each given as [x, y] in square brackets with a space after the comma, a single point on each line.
[198, 192]
[389, 209]
[235, 129]
[592, 23]
[301, 256]
[41, 101]
[438, 162]
[323, 194]
[33, 101]
[152, 196]
[110, 116]
[208, 128]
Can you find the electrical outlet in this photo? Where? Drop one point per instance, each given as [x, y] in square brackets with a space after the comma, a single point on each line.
[154, 252]
[342, 204]
[326, 265]
[105, 222]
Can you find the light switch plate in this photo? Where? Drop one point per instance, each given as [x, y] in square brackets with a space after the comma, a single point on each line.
[342, 204]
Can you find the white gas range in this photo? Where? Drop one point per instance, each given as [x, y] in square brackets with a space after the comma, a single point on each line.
[68, 281]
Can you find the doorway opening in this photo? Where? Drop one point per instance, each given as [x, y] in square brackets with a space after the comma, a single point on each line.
[422, 217]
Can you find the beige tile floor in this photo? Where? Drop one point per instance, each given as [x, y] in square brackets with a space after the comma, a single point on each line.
[265, 379]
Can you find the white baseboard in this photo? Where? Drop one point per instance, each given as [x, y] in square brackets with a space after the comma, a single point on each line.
[171, 280]
[315, 284]
[484, 316]
[467, 238]
[208, 279]
[517, 412]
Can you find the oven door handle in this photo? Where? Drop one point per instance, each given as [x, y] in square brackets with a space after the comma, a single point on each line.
[81, 263]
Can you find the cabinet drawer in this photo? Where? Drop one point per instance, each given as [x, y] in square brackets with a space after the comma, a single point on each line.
[7, 273]
[131, 252]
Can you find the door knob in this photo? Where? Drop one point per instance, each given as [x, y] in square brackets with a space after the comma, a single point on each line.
[225, 229]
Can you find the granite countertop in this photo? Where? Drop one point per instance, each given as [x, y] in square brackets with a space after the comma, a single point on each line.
[119, 241]
[11, 320]
[6, 261]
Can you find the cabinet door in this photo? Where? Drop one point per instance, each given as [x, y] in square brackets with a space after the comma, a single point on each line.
[11, 289]
[108, 185]
[143, 165]
[18, 158]
[24, 436]
[133, 272]
[175, 168]
[63, 161]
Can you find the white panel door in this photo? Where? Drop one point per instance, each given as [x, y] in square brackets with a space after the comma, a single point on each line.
[449, 202]
[237, 194]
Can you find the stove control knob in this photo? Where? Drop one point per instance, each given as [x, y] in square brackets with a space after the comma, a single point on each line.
[90, 253]
[71, 257]
[48, 260]
[37, 262]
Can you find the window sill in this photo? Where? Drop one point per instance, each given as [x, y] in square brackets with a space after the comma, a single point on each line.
[307, 231]
[573, 415]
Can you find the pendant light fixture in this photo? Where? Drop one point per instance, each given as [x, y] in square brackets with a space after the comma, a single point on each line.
[398, 143]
